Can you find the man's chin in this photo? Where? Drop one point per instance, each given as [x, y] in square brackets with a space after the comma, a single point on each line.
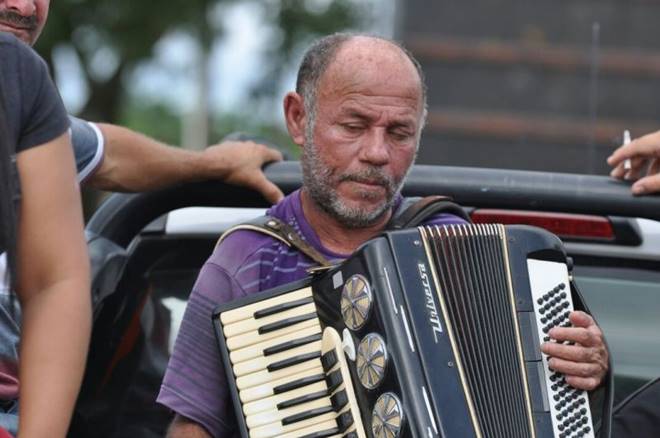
[22, 34]
[362, 214]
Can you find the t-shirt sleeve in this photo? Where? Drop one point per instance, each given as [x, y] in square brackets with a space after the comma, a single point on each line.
[88, 145]
[43, 116]
[444, 219]
[194, 385]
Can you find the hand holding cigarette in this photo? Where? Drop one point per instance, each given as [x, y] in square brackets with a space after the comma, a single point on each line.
[638, 160]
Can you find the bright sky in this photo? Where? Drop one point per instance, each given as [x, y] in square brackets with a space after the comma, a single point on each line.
[236, 60]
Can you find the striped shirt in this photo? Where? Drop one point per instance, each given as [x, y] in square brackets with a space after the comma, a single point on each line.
[246, 262]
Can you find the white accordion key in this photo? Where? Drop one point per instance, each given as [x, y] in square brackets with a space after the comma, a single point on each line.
[265, 376]
[245, 312]
[551, 293]
[332, 341]
[268, 417]
[271, 403]
[253, 337]
[277, 429]
[245, 326]
[307, 377]
[262, 363]
[327, 425]
[258, 350]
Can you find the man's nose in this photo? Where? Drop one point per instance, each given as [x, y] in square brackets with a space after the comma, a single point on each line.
[375, 149]
[24, 7]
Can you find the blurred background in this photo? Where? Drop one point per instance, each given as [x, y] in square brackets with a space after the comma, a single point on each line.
[541, 85]
[538, 85]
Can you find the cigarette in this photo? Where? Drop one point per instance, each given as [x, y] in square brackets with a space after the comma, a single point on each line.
[627, 164]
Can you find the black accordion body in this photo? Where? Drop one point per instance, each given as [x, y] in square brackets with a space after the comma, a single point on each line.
[427, 332]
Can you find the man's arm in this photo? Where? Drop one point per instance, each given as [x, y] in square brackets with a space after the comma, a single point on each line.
[134, 162]
[183, 427]
[53, 287]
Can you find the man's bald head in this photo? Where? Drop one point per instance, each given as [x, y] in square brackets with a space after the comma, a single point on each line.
[347, 48]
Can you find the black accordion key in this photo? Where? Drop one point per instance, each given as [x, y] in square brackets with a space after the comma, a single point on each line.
[282, 307]
[302, 399]
[299, 383]
[291, 344]
[295, 360]
[274, 326]
[306, 415]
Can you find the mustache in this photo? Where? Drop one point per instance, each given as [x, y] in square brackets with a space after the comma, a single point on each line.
[369, 176]
[17, 20]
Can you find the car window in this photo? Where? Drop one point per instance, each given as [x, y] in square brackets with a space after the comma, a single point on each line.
[626, 304]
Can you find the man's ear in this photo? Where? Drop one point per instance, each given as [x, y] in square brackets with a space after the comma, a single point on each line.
[296, 120]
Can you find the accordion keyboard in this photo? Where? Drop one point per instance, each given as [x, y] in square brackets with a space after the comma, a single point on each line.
[569, 407]
[291, 376]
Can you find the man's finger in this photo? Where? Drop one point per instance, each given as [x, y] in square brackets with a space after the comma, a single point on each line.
[646, 146]
[637, 166]
[585, 383]
[267, 188]
[575, 353]
[269, 155]
[581, 319]
[578, 369]
[654, 167]
[648, 184]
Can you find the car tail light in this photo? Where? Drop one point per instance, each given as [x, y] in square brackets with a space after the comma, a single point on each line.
[565, 225]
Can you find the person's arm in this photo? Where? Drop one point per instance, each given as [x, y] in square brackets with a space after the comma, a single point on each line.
[585, 362]
[644, 156]
[134, 162]
[183, 427]
[53, 288]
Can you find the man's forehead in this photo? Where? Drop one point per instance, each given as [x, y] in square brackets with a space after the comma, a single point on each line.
[371, 65]
[372, 107]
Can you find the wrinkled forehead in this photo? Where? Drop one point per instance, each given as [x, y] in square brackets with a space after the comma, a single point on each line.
[371, 67]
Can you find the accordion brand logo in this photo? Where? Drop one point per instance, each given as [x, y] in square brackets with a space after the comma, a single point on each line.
[431, 309]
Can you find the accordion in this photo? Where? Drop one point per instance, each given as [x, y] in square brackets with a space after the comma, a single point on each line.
[426, 332]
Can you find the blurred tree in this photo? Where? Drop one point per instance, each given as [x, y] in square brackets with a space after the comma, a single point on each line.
[115, 34]
[110, 37]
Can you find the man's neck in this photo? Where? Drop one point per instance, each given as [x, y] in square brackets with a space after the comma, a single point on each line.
[333, 235]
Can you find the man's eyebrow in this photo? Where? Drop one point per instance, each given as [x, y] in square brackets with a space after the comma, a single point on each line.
[405, 123]
[351, 112]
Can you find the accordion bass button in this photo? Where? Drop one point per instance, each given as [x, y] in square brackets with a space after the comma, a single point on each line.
[371, 360]
[356, 302]
[387, 417]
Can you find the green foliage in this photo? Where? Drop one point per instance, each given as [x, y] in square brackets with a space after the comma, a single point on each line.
[162, 123]
[226, 124]
[156, 121]
[127, 30]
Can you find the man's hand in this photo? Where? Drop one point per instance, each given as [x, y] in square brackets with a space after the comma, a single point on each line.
[644, 155]
[240, 162]
[585, 363]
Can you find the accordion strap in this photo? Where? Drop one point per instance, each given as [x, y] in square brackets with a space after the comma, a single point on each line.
[281, 231]
[411, 213]
[414, 211]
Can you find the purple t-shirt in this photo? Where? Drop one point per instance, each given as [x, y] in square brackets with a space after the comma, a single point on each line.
[245, 262]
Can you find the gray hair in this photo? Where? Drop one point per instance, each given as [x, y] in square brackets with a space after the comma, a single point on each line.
[318, 57]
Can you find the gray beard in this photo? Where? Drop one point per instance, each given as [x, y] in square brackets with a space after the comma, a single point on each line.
[317, 180]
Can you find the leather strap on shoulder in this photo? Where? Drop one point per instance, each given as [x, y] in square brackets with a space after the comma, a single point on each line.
[414, 211]
[281, 231]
